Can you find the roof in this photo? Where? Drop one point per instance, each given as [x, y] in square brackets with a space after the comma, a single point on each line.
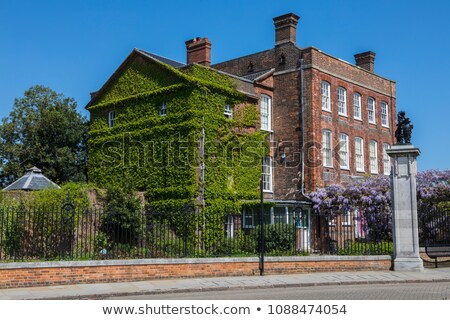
[253, 76]
[32, 180]
[170, 62]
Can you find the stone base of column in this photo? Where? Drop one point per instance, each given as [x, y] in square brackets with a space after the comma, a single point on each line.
[408, 264]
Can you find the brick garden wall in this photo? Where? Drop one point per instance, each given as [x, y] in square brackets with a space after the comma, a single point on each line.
[15, 275]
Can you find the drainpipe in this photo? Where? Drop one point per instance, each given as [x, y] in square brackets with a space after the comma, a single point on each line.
[302, 99]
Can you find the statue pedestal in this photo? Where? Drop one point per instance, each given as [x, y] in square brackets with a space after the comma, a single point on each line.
[404, 207]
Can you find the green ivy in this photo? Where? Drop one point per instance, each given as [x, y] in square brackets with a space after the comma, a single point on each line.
[161, 155]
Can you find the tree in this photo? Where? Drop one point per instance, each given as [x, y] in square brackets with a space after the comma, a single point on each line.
[45, 130]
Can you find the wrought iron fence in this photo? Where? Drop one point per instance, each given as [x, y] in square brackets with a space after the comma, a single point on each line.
[70, 233]
[434, 222]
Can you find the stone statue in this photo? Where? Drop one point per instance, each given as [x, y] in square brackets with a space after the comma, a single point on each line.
[404, 129]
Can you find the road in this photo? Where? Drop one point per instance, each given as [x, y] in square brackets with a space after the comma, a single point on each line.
[408, 291]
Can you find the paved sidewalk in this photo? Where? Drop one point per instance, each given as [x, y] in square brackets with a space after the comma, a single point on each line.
[102, 290]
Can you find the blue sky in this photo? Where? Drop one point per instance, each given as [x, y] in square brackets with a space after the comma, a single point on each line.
[74, 46]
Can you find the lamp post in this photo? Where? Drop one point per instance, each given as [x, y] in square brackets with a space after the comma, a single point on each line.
[262, 244]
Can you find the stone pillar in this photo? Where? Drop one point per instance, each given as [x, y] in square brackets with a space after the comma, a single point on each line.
[404, 208]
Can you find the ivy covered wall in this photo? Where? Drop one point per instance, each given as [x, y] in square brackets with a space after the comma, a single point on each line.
[161, 154]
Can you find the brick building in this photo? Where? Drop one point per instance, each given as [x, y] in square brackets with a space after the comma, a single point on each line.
[328, 121]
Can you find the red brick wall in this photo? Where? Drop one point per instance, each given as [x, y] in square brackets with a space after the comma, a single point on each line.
[61, 275]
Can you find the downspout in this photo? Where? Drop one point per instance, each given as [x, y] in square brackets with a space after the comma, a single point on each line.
[302, 102]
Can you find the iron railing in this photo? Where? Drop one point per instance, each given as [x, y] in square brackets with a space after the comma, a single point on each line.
[69, 233]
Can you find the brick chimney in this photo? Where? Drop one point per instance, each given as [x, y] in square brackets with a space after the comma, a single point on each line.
[199, 51]
[285, 28]
[366, 60]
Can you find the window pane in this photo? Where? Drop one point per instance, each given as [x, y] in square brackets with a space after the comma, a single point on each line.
[326, 96]
[344, 150]
[359, 153]
[326, 148]
[373, 157]
[267, 174]
[384, 114]
[265, 112]
[357, 105]
[386, 160]
[371, 110]
[342, 104]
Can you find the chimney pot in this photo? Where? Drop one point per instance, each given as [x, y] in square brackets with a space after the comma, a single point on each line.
[199, 51]
[286, 28]
[366, 60]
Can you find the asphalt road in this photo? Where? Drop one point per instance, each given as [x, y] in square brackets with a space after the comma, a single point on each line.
[408, 291]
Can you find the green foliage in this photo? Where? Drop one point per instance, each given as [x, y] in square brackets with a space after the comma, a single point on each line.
[279, 238]
[45, 130]
[358, 248]
[122, 223]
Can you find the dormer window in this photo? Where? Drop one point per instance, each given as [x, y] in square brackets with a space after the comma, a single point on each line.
[111, 118]
[228, 111]
[163, 109]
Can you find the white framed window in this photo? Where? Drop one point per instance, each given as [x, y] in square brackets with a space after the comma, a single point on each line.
[248, 218]
[327, 149]
[371, 110]
[267, 174]
[342, 101]
[111, 118]
[228, 111]
[229, 227]
[373, 157]
[359, 154]
[346, 218]
[386, 160]
[266, 111]
[326, 104]
[384, 114]
[163, 109]
[357, 106]
[343, 153]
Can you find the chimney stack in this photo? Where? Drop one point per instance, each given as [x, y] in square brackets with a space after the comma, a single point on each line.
[285, 28]
[366, 60]
[199, 51]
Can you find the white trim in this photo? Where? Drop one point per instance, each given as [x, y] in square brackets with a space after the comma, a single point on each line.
[359, 169]
[324, 143]
[265, 98]
[325, 94]
[357, 94]
[384, 104]
[374, 115]
[344, 101]
[375, 157]
[345, 150]
[386, 160]
[111, 118]
[268, 174]
[163, 109]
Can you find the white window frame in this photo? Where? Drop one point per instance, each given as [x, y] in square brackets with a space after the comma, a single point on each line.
[344, 157]
[327, 148]
[357, 106]
[371, 116]
[266, 112]
[229, 227]
[248, 214]
[326, 103]
[384, 114]
[111, 118]
[228, 111]
[386, 160]
[342, 101]
[346, 218]
[373, 152]
[359, 154]
[267, 174]
[163, 109]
